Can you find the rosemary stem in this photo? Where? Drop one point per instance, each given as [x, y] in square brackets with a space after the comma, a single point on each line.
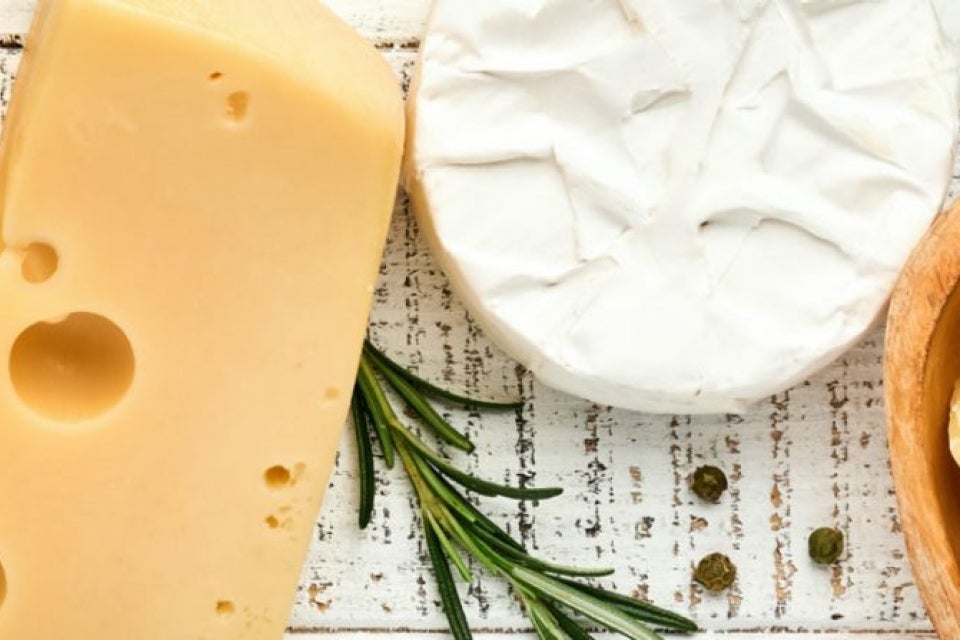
[454, 528]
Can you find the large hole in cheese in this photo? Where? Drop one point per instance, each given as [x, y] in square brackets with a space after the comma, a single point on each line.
[73, 369]
[40, 262]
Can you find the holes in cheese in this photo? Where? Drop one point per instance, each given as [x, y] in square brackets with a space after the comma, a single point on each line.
[279, 520]
[278, 477]
[238, 104]
[3, 585]
[239, 258]
[40, 262]
[282, 519]
[226, 608]
[72, 369]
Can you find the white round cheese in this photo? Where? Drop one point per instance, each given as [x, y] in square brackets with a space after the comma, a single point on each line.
[680, 205]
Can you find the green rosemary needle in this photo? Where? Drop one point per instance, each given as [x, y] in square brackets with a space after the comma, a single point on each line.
[453, 527]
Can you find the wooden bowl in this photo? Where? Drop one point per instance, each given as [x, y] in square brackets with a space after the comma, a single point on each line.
[922, 363]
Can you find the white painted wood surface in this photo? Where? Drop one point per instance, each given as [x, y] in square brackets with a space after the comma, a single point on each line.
[813, 456]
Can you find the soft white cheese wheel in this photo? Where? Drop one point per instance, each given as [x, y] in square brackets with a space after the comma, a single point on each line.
[679, 205]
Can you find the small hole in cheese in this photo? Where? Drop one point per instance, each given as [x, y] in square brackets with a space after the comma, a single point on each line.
[226, 608]
[272, 521]
[40, 262]
[238, 104]
[3, 585]
[298, 470]
[277, 477]
[216, 75]
[74, 368]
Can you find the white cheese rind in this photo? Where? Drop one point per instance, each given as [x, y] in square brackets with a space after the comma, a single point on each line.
[680, 206]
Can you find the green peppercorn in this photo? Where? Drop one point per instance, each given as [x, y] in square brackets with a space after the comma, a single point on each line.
[716, 572]
[825, 545]
[709, 483]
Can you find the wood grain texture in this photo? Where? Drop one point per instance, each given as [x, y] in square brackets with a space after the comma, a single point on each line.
[815, 455]
[385, 22]
[830, 635]
[812, 456]
[923, 362]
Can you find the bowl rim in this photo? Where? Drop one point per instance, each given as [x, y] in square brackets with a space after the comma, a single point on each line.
[928, 284]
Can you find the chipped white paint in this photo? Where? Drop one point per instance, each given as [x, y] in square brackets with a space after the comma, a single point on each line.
[15, 15]
[810, 457]
[385, 22]
[813, 456]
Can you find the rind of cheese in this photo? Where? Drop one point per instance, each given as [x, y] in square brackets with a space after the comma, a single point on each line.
[195, 198]
[680, 206]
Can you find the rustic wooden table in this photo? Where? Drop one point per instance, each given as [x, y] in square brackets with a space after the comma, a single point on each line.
[812, 456]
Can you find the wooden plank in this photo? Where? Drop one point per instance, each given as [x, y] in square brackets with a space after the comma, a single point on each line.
[810, 457]
[385, 22]
[813, 456]
[493, 635]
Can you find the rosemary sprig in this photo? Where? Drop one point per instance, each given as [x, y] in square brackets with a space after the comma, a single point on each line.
[453, 526]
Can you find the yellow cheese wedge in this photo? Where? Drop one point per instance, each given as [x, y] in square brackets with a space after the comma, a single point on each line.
[195, 195]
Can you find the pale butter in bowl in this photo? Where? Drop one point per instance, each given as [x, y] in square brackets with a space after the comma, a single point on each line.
[954, 427]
